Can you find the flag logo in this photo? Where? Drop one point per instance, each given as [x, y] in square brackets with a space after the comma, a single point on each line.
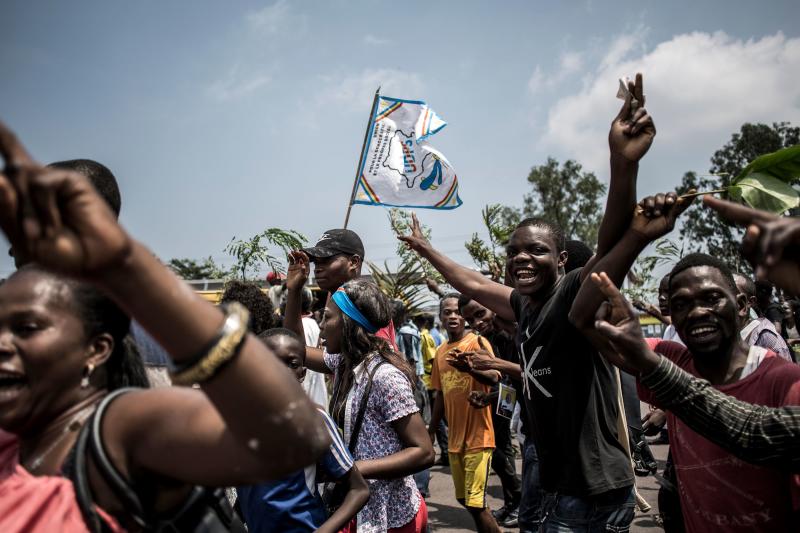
[399, 167]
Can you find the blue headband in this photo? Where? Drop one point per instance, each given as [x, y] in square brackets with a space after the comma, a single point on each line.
[347, 306]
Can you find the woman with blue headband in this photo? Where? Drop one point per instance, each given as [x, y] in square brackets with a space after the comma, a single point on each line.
[372, 403]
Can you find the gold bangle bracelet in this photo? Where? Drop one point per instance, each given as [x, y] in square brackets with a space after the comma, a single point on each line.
[234, 331]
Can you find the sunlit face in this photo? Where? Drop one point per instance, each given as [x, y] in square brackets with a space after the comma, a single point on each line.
[533, 259]
[451, 319]
[478, 317]
[290, 351]
[331, 330]
[705, 310]
[332, 272]
[43, 349]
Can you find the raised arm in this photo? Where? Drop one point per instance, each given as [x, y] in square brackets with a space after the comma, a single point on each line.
[493, 295]
[629, 138]
[654, 217]
[238, 418]
[296, 278]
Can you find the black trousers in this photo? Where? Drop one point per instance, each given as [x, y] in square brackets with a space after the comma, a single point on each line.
[503, 461]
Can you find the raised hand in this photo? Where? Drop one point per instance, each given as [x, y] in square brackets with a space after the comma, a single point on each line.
[633, 130]
[417, 240]
[616, 320]
[771, 243]
[55, 217]
[655, 216]
[299, 268]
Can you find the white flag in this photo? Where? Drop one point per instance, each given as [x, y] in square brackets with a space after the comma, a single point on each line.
[400, 168]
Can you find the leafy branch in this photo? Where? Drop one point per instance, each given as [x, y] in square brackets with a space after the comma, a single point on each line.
[767, 183]
[253, 253]
[400, 222]
[491, 256]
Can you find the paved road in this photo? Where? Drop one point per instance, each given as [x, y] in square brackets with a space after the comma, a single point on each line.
[447, 516]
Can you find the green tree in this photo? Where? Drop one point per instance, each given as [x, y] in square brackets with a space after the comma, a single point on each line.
[642, 285]
[499, 221]
[190, 269]
[400, 222]
[253, 253]
[406, 283]
[567, 196]
[702, 229]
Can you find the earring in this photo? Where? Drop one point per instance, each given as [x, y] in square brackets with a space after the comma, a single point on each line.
[87, 373]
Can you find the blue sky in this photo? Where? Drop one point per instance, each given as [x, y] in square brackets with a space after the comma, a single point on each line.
[224, 118]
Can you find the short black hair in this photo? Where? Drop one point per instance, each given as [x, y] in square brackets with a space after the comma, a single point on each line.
[701, 260]
[399, 313]
[552, 228]
[271, 333]
[262, 313]
[286, 332]
[463, 300]
[448, 296]
[101, 177]
[578, 254]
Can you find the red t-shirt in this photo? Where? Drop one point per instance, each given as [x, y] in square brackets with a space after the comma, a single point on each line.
[719, 492]
[38, 504]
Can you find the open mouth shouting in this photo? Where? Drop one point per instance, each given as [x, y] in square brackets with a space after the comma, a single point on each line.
[525, 275]
[11, 384]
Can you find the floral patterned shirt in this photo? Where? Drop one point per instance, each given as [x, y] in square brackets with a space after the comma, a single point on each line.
[393, 502]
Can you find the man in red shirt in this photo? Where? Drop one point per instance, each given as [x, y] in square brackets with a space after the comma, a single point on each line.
[718, 491]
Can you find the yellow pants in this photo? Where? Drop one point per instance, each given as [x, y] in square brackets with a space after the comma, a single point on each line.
[470, 474]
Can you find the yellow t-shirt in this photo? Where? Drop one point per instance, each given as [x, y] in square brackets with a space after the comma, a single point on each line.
[469, 429]
[428, 348]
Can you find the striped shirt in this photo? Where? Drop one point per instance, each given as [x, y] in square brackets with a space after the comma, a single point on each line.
[757, 434]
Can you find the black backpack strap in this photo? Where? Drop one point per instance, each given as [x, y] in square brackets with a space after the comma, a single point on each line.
[111, 475]
[78, 474]
[362, 409]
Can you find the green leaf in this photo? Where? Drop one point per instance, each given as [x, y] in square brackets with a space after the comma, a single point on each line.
[783, 165]
[766, 192]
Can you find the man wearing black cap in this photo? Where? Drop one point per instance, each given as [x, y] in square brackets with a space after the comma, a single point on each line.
[337, 257]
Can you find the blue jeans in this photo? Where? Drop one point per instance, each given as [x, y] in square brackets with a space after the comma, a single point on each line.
[422, 479]
[530, 505]
[610, 511]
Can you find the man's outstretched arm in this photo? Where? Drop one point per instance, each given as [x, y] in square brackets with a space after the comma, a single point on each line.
[493, 295]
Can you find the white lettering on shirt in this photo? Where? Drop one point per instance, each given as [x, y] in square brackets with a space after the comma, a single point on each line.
[530, 374]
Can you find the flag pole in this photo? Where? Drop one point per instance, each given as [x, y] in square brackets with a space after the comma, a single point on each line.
[363, 154]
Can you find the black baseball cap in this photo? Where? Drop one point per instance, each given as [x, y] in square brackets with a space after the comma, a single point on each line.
[335, 242]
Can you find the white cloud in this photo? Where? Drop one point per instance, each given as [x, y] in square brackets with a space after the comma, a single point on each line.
[569, 63]
[353, 90]
[236, 85]
[271, 18]
[700, 88]
[376, 41]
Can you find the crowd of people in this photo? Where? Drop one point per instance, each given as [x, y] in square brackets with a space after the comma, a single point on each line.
[129, 403]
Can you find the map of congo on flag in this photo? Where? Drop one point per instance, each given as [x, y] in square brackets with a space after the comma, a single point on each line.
[400, 168]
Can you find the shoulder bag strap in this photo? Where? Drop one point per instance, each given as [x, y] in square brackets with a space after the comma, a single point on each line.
[80, 481]
[362, 409]
[120, 486]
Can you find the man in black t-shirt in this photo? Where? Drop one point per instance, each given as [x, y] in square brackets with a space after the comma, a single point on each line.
[568, 390]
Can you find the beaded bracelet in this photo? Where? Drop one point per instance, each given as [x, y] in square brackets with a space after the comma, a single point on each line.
[230, 340]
